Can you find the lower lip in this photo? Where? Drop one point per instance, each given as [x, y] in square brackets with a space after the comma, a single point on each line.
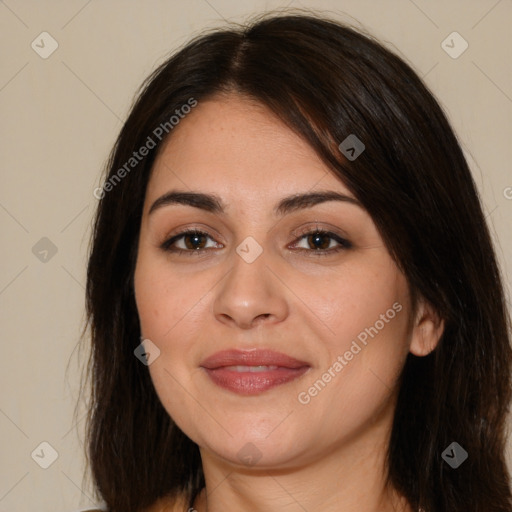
[252, 383]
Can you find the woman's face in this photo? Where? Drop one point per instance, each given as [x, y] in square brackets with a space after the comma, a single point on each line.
[335, 303]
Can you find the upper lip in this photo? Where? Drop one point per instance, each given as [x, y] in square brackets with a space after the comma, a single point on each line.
[258, 357]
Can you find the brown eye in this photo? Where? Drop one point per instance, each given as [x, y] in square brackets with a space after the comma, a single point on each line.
[319, 243]
[191, 241]
[194, 241]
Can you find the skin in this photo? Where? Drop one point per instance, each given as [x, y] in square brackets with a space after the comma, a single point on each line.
[328, 454]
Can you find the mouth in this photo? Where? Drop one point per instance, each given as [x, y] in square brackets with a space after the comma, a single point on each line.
[252, 372]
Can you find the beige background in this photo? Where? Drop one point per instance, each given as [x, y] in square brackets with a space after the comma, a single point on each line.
[59, 119]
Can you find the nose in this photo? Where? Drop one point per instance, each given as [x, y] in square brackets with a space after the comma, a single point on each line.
[250, 294]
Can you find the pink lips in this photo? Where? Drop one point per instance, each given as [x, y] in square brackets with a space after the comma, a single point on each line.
[252, 372]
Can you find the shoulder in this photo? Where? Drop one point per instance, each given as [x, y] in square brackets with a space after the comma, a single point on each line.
[169, 504]
[166, 504]
[89, 510]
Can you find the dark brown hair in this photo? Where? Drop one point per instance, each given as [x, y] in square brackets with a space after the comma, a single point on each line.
[326, 81]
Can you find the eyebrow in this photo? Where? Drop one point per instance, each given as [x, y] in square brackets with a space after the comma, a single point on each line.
[214, 204]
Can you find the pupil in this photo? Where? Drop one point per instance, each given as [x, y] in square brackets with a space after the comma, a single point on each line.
[317, 238]
[196, 240]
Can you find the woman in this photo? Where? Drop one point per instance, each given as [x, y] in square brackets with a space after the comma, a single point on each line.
[292, 292]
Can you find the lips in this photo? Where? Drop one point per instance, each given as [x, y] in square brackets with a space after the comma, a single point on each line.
[252, 372]
[251, 358]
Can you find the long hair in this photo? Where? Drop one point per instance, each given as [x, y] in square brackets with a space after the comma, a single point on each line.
[326, 81]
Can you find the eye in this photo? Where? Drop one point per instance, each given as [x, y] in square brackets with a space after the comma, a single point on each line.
[320, 243]
[191, 241]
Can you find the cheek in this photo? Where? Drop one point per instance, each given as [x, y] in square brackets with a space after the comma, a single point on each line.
[169, 308]
[366, 309]
[173, 309]
[167, 302]
[357, 300]
[149, 293]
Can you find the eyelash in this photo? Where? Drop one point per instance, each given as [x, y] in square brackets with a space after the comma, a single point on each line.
[344, 244]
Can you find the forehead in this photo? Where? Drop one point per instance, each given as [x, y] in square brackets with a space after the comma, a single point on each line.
[233, 145]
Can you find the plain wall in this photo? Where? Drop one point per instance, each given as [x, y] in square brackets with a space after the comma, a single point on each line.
[59, 119]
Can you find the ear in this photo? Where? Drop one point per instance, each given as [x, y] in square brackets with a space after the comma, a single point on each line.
[427, 329]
